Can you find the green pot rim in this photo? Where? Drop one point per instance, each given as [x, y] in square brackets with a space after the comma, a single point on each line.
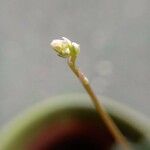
[39, 110]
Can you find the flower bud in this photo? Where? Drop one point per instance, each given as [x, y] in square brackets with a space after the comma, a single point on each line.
[76, 47]
[64, 47]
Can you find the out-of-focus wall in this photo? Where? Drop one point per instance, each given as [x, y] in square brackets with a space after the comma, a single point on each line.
[115, 51]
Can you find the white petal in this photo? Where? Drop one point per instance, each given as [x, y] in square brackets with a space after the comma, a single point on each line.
[66, 40]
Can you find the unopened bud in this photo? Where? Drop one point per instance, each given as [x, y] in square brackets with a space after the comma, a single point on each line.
[65, 48]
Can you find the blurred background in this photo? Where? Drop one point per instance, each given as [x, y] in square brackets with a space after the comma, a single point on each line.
[114, 36]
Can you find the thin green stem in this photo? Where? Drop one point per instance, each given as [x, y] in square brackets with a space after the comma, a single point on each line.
[120, 139]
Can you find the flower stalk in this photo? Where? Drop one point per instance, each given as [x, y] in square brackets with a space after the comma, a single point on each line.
[67, 49]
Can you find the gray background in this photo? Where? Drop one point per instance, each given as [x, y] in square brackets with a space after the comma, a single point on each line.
[115, 51]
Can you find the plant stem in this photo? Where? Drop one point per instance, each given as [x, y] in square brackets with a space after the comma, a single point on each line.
[120, 139]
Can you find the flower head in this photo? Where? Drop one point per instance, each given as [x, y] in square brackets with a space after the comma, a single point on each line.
[65, 48]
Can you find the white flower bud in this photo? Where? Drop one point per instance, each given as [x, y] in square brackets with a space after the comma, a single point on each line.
[64, 47]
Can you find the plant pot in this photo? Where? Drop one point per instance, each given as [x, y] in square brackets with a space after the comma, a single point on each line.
[70, 122]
